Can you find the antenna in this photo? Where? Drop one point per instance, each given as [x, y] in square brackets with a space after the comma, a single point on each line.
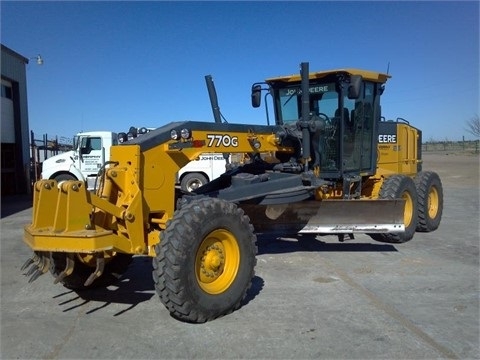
[388, 67]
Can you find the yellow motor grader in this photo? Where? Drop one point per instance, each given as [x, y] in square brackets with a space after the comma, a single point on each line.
[331, 164]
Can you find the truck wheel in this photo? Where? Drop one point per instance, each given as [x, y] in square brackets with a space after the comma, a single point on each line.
[85, 265]
[64, 177]
[205, 260]
[192, 181]
[430, 200]
[397, 187]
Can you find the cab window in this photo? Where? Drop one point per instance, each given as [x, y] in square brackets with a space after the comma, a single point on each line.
[323, 99]
[88, 144]
[96, 143]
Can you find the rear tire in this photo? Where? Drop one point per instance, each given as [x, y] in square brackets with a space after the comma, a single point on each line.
[205, 260]
[400, 187]
[114, 267]
[430, 200]
[193, 181]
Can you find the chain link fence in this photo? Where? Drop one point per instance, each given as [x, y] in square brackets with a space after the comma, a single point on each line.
[42, 149]
[472, 147]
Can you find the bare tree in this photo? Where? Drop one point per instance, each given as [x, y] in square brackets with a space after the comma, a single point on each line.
[473, 126]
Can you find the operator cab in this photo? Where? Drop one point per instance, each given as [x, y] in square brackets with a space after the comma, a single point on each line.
[346, 103]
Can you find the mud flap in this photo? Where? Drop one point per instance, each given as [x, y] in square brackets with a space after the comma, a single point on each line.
[329, 216]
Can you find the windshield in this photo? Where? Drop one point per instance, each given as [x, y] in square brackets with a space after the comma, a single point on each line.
[323, 99]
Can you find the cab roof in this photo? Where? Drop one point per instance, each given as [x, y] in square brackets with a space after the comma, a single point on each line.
[366, 74]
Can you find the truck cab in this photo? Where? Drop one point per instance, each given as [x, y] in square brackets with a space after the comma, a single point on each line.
[90, 151]
[205, 168]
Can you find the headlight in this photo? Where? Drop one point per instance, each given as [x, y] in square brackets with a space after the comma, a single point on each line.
[133, 131]
[122, 137]
[174, 134]
[185, 133]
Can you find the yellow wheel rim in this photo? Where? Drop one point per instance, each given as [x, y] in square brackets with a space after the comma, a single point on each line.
[432, 202]
[217, 261]
[408, 214]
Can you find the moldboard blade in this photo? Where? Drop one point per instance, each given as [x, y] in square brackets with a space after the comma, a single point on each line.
[329, 216]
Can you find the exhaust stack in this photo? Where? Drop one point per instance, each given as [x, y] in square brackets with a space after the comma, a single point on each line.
[212, 93]
[304, 121]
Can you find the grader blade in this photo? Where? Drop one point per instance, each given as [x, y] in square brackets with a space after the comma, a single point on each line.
[329, 216]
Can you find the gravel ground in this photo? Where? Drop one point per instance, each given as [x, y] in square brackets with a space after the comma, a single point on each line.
[310, 299]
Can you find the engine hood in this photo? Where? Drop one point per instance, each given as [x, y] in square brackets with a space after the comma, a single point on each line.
[63, 160]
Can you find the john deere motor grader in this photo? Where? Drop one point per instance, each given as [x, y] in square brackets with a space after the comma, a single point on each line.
[330, 165]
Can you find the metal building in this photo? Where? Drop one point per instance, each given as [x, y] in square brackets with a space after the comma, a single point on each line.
[15, 148]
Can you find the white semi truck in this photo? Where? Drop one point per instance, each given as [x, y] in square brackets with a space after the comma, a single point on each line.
[91, 149]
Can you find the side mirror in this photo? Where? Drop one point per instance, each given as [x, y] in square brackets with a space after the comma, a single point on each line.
[256, 95]
[355, 86]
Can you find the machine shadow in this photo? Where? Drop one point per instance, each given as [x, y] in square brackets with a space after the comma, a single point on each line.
[133, 288]
[254, 290]
[136, 285]
[271, 244]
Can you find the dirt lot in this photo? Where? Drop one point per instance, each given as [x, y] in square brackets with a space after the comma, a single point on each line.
[455, 169]
[311, 298]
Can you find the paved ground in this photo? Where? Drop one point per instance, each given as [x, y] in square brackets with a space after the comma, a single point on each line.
[311, 299]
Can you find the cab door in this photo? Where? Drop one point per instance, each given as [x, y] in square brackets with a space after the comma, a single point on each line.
[92, 155]
[359, 143]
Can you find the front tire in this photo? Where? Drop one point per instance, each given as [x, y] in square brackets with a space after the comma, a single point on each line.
[400, 187]
[430, 200]
[205, 260]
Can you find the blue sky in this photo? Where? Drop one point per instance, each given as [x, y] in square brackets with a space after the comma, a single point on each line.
[111, 65]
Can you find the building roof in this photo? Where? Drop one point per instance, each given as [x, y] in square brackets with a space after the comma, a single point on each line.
[14, 53]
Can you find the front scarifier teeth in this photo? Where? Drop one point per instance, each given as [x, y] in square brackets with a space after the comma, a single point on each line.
[34, 259]
[35, 276]
[98, 271]
[32, 269]
[29, 262]
[42, 268]
[68, 269]
[39, 265]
